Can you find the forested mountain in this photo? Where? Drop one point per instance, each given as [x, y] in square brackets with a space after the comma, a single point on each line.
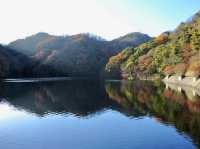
[132, 39]
[176, 52]
[13, 64]
[30, 44]
[77, 55]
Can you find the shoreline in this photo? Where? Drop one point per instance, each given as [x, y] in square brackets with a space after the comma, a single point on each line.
[186, 81]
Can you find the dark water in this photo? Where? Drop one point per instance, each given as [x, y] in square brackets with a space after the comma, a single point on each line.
[83, 114]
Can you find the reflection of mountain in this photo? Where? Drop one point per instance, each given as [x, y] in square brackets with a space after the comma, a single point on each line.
[85, 98]
[81, 98]
[166, 105]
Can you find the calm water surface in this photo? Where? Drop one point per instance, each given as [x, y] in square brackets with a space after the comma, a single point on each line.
[83, 114]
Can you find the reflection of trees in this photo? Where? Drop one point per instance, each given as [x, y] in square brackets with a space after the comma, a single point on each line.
[125, 97]
[81, 98]
[85, 98]
[166, 105]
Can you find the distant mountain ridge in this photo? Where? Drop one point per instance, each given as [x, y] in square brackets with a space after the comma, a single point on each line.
[30, 44]
[81, 54]
[129, 40]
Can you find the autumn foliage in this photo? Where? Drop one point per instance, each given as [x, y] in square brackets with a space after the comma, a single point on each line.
[144, 61]
[193, 69]
[180, 69]
[168, 70]
[162, 38]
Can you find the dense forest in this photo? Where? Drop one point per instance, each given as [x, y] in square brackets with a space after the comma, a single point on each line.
[171, 53]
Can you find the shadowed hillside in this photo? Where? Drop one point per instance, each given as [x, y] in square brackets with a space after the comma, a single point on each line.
[13, 63]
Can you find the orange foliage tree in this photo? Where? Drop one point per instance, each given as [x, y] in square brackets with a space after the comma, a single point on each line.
[168, 70]
[193, 69]
[162, 38]
[180, 69]
[119, 56]
[144, 61]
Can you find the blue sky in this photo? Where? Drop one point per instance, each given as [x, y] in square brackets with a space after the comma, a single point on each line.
[163, 14]
[106, 18]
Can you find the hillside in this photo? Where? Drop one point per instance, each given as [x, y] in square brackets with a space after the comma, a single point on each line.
[132, 39]
[13, 64]
[176, 52]
[81, 54]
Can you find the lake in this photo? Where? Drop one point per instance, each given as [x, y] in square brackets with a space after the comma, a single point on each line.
[89, 114]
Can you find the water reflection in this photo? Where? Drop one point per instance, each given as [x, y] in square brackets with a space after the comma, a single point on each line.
[168, 104]
[81, 98]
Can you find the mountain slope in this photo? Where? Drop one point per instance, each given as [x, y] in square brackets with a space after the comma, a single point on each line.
[81, 54]
[30, 44]
[132, 39]
[13, 64]
[176, 52]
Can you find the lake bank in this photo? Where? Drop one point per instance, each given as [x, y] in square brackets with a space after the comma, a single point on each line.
[186, 81]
